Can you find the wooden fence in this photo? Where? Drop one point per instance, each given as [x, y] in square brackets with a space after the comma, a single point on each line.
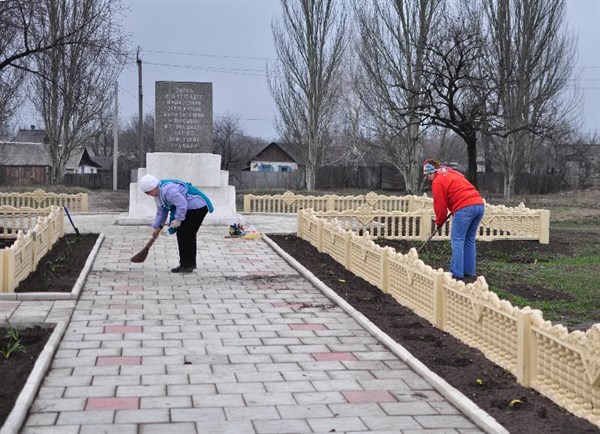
[561, 365]
[41, 199]
[20, 259]
[96, 181]
[267, 180]
[24, 175]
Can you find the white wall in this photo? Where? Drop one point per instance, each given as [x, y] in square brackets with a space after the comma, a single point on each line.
[276, 165]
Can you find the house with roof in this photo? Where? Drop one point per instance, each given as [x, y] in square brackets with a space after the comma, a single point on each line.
[28, 163]
[275, 157]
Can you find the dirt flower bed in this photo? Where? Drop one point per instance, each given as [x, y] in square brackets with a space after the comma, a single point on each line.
[59, 269]
[467, 369]
[17, 361]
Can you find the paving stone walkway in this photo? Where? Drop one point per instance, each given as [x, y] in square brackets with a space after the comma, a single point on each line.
[243, 345]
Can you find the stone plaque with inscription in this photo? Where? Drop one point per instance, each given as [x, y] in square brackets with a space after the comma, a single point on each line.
[183, 117]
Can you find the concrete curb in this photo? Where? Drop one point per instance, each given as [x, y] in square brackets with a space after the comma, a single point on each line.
[479, 417]
[53, 296]
[16, 418]
[86, 268]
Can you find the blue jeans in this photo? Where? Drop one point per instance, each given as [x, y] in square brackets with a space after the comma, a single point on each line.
[462, 239]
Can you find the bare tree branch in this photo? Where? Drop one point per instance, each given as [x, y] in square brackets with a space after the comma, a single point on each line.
[310, 40]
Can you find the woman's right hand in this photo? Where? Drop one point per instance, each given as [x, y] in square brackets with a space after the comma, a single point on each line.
[156, 232]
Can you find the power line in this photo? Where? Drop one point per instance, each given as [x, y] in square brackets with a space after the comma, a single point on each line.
[209, 69]
[135, 96]
[207, 55]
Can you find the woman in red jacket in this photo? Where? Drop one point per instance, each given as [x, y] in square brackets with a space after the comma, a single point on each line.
[451, 191]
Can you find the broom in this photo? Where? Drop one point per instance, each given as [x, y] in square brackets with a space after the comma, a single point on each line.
[143, 254]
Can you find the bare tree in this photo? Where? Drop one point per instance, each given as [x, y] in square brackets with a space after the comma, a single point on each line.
[129, 139]
[458, 92]
[310, 41]
[75, 83]
[232, 144]
[532, 57]
[24, 32]
[350, 146]
[393, 38]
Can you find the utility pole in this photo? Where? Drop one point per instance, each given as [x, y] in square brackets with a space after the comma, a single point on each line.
[141, 112]
[116, 138]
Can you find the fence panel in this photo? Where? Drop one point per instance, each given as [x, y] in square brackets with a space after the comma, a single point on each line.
[267, 180]
[40, 199]
[97, 181]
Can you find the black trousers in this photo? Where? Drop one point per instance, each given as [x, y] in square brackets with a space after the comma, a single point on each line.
[186, 236]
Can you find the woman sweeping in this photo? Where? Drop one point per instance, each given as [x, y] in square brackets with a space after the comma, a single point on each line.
[187, 207]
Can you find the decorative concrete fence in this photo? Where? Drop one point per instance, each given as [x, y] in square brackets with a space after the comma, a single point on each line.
[405, 217]
[498, 223]
[40, 199]
[291, 203]
[32, 242]
[561, 365]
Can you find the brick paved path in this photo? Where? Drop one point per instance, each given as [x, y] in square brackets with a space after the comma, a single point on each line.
[243, 345]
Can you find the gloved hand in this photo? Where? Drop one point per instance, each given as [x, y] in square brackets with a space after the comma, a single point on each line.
[156, 232]
[175, 224]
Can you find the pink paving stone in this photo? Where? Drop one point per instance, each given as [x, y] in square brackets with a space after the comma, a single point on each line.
[116, 360]
[125, 403]
[123, 329]
[250, 261]
[128, 288]
[366, 396]
[9, 305]
[126, 306]
[308, 327]
[292, 305]
[320, 357]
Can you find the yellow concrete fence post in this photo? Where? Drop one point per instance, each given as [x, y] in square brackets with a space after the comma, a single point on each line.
[330, 203]
[320, 223]
[425, 226]
[384, 270]
[247, 203]
[2, 270]
[439, 301]
[9, 271]
[347, 250]
[299, 219]
[544, 226]
[525, 350]
[84, 202]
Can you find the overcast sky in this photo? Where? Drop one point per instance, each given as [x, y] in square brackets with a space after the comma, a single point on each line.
[229, 42]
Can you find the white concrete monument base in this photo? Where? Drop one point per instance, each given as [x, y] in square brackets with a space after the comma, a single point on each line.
[201, 170]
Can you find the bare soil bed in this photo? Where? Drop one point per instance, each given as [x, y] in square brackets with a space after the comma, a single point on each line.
[59, 269]
[16, 368]
[467, 369]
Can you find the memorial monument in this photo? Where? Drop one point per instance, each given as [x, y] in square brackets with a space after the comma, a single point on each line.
[183, 142]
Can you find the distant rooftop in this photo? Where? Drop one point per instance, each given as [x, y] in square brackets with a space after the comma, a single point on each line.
[31, 135]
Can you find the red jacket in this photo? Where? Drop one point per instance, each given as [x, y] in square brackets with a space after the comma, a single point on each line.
[451, 191]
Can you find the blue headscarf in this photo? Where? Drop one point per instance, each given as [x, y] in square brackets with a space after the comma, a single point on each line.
[428, 169]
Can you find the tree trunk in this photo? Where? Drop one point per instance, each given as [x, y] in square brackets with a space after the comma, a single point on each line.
[310, 176]
[471, 142]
